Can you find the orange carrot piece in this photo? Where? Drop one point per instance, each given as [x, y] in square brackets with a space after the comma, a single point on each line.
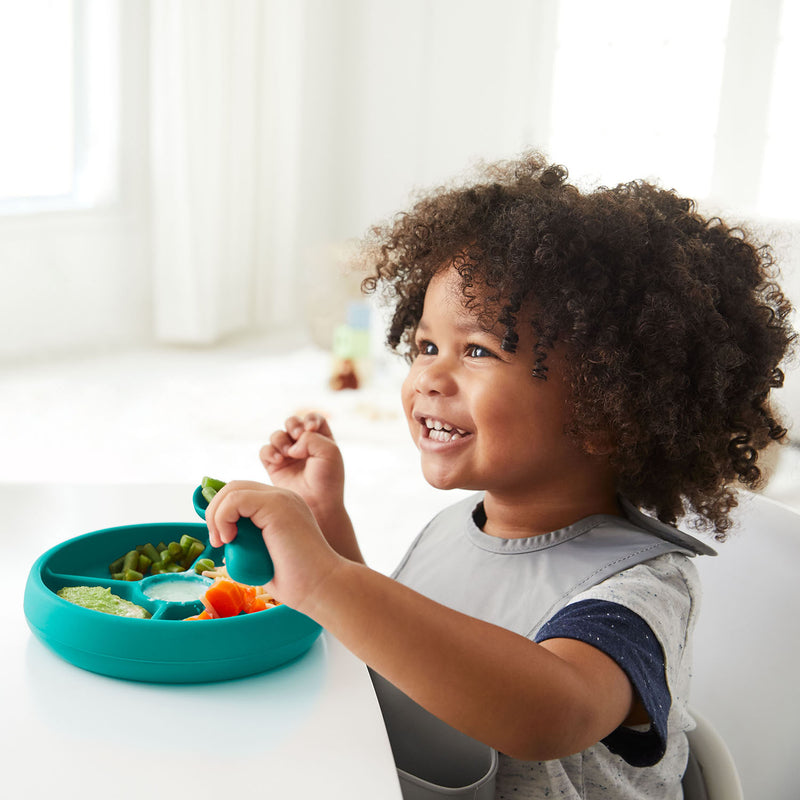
[254, 604]
[224, 598]
[202, 615]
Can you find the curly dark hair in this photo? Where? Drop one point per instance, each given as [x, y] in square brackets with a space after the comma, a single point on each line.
[673, 323]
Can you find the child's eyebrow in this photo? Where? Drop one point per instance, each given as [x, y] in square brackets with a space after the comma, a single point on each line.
[466, 326]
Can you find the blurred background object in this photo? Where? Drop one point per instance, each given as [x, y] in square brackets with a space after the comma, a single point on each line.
[183, 184]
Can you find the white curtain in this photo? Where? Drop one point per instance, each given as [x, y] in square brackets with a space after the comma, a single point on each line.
[280, 129]
[218, 236]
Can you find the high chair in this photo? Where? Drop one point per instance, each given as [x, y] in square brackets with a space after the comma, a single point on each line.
[746, 651]
[711, 773]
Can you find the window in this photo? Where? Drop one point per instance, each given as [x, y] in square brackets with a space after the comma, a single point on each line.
[57, 79]
[778, 195]
[633, 84]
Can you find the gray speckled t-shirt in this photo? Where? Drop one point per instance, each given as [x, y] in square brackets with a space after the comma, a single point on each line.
[520, 584]
[665, 593]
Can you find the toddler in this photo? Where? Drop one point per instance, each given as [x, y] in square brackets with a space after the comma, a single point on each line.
[597, 367]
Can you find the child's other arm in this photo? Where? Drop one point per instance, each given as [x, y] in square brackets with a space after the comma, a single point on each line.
[304, 458]
[531, 701]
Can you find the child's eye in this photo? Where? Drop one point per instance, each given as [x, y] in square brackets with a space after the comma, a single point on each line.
[476, 351]
[426, 348]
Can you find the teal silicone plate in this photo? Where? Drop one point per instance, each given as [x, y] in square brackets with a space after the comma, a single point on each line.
[165, 648]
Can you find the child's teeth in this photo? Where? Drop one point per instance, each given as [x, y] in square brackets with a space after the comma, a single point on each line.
[442, 431]
[443, 436]
[438, 425]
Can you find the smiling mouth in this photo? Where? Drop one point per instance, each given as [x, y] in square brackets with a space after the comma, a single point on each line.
[440, 431]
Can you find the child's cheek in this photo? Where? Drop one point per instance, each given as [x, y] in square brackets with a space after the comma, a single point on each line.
[407, 397]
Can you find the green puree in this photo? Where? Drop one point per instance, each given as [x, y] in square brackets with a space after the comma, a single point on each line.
[101, 599]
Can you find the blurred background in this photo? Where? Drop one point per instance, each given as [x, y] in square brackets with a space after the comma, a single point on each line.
[182, 182]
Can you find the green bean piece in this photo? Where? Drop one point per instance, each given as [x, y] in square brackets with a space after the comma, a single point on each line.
[173, 568]
[175, 549]
[132, 575]
[150, 551]
[195, 550]
[118, 576]
[212, 483]
[144, 563]
[208, 492]
[116, 566]
[161, 547]
[131, 560]
[203, 564]
[166, 558]
[187, 541]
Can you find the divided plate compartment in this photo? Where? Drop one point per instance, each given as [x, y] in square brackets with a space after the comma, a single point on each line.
[165, 648]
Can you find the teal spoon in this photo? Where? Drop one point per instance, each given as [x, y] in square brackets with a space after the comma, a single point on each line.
[246, 557]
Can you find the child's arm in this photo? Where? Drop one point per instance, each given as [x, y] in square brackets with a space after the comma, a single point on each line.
[528, 700]
[304, 458]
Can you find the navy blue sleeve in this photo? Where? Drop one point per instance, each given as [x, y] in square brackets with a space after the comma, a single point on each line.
[629, 640]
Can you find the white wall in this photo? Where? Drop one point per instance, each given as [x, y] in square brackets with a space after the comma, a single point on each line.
[786, 238]
[363, 102]
[87, 283]
[80, 279]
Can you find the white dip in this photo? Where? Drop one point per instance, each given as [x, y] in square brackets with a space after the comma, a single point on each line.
[177, 590]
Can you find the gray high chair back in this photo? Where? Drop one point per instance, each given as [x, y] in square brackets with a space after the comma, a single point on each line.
[746, 651]
[711, 773]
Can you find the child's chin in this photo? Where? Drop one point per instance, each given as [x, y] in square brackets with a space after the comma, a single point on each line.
[440, 481]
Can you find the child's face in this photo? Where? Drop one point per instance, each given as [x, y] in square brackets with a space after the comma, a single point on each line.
[479, 418]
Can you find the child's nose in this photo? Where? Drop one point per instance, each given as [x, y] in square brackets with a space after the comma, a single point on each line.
[435, 378]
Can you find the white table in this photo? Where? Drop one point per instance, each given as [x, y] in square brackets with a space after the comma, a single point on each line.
[309, 729]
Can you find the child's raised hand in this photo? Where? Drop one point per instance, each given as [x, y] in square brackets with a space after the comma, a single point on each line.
[300, 554]
[304, 458]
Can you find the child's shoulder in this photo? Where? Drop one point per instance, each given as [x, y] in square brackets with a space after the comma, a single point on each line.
[665, 591]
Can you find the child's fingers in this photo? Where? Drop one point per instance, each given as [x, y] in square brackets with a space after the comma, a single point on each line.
[316, 422]
[312, 421]
[270, 457]
[292, 442]
[281, 441]
[235, 500]
[294, 426]
[280, 448]
[312, 445]
[214, 531]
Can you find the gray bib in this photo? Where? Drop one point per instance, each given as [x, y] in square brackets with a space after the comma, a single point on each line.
[519, 584]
